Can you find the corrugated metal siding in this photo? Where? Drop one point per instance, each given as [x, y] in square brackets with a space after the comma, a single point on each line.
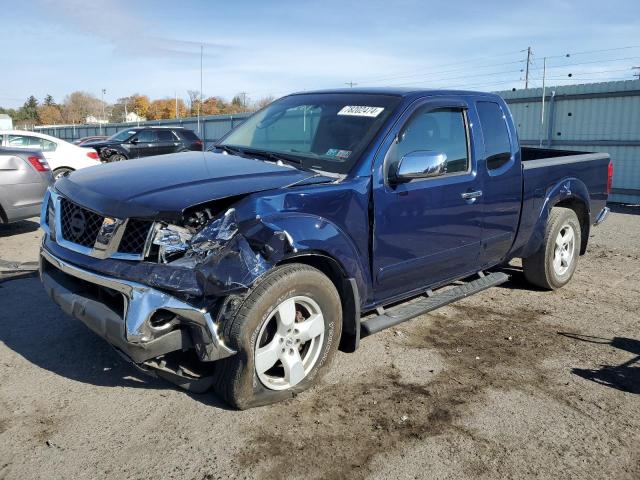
[599, 117]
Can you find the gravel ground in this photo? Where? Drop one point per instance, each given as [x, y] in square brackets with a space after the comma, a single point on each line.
[510, 383]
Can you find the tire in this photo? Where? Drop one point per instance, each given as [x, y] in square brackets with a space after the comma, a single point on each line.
[553, 265]
[257, 327]
[117, 157]
[61, 172]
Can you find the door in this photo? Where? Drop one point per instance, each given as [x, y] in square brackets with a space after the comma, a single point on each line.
[167, 142]
[427, 231]
[502, 172]
[145, 143]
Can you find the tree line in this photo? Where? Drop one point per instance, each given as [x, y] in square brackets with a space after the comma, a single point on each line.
[78, 106]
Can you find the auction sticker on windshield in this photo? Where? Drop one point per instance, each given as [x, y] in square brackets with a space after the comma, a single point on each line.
[361, 111]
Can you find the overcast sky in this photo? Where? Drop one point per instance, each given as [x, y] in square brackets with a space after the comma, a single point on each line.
[271, 48]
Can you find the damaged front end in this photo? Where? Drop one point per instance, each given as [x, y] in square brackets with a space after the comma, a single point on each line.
[166, 311]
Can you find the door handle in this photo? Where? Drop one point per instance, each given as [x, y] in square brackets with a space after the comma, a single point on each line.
[471, 195]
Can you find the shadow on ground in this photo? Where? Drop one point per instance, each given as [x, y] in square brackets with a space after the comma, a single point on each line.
[624, 208]
[624, 377]
[36, 329]
[25, 226]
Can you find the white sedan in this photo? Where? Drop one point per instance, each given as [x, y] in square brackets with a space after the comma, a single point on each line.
[63, 157]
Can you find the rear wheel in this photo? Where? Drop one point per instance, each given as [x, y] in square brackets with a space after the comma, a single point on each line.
[286, 334]
[553, 265]
[61, 172]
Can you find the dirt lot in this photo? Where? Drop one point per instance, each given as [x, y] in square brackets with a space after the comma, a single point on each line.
[510, 383]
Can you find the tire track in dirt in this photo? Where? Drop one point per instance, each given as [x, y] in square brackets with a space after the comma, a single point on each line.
[334, 431]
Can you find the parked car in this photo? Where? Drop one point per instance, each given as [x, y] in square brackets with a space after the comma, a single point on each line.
[94, 138]
[323, 218]
[146, 141]
[24, 178]
[62, 156]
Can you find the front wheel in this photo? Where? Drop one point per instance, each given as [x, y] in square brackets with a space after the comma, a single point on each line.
[117, 157]
[553, 265]
[286, 334]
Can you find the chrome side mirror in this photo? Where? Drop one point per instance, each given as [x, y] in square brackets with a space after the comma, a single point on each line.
[421, 164]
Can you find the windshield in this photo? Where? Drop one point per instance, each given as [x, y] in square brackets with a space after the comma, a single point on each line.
[122, 135]
[327, 131]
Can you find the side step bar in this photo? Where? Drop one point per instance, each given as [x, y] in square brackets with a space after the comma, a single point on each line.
[401, 313]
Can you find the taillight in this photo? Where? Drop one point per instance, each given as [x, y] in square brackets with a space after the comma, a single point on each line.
[198, 143]
[609, 177]
[40, 164]
[92, 155]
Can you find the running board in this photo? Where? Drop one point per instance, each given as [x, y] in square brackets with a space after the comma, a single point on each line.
[401, 313]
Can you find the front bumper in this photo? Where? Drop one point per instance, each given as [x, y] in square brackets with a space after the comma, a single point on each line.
[122, 313]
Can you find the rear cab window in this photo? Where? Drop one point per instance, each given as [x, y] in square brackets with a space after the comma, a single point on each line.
[495, 133]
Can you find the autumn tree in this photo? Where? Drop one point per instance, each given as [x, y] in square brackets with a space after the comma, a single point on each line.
[214, 106]
[77, 106]
[194, 101]
[264, 101]
[166, 108]
[49, 115]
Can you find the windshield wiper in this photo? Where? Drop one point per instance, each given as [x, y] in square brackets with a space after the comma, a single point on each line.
[231, 150]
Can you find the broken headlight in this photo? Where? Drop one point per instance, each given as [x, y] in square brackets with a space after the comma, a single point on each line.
[172, 241]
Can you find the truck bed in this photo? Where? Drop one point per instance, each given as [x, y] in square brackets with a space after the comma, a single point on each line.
[549, 173]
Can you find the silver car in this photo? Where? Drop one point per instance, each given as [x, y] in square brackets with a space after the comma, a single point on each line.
[24, 177]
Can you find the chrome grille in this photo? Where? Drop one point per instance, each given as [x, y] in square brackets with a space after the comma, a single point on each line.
[79, 225]
[135, 236]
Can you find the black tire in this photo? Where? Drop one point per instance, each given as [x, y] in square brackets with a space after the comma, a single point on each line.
[236, 380]
[117, 157]
[61, 172]
[539, 268]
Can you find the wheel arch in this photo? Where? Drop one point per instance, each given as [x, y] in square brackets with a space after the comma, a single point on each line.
[347, 289]
[568, 193]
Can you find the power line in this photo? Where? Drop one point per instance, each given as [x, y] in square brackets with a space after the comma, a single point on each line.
[594, 51]
[466, 68]
[462, 62]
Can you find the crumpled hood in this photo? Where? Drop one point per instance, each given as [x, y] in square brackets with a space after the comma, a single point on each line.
[164, 186]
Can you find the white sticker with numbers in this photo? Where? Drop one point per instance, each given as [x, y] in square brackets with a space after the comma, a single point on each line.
[361, 111]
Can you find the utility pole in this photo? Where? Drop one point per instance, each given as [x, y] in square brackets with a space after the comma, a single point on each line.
[103, 116]
[176, 95]
[544, 92]
[526, 74]
[351, 84]
[200, 102]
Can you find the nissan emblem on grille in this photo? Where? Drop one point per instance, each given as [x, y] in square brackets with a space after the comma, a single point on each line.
[78, 223]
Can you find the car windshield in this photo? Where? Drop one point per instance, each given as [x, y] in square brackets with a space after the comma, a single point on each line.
[327, 131]
[122, 135]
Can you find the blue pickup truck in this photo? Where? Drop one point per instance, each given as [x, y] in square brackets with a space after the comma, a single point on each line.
[325, 217]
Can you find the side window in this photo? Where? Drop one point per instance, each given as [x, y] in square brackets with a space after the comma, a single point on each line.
[166, 136]
[48, 146]
[495, 133]
[442, 130]
[147, 136]
[23, 141]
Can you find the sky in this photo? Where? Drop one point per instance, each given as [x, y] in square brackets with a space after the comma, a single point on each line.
[269, 48]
